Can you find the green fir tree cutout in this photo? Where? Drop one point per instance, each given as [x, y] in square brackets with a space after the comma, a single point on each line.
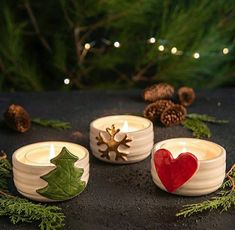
[64, 182]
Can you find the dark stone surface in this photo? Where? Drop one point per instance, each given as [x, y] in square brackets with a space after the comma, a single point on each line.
[120, 196]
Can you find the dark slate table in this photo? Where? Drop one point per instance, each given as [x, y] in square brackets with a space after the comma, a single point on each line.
[120, 196]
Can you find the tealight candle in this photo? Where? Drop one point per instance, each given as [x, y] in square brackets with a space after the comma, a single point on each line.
[32, 162]
[208, 175]
[121, 138]
[41, 155]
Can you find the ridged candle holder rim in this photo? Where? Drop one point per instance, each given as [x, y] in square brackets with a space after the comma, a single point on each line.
[208, 161]
[17, 151]
[150, 124]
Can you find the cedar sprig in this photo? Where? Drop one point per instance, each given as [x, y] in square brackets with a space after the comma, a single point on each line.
[199, 128]
[22, 210]
[5, 173]
[196, 123]
[224, 200]
[206, 118]
[56, 124]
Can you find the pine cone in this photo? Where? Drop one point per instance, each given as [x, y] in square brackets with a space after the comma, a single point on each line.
[17, 118]
[173, 115]
[3, 155]
[154, 110]
[186, 95]
[158, 91]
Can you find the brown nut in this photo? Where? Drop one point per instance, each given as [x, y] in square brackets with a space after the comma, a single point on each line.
[186, 95]
[17, 118]
[158, 91]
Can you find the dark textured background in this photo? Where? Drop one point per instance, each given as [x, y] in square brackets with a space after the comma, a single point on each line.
[120, 196]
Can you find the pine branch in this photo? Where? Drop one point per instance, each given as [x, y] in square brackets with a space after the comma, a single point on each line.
[13, 56]
[35, 25]
[22, 210]
[207, 118]
[56, 124]
[196, 123]
[199, 128]
[5, 172]
[224, 200]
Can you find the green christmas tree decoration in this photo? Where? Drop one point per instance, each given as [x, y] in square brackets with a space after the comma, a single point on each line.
[64, 182]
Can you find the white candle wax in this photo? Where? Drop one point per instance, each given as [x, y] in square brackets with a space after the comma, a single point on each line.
[202, 150]
[124, 126]
[127, 128]
[40, 155]
[124, 123]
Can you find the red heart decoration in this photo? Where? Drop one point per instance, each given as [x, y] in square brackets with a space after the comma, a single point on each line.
[173, 173]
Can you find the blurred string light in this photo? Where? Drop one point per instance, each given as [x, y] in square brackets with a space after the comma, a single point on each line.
[152, 40]
[225, 51]
[174, 50]
[87, 46]
[163, 46]
[66, 81]
[116, 44]
[196, 55]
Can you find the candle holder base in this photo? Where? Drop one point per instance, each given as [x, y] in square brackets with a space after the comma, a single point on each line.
[110, 143]
[210, 173]
[48, 183]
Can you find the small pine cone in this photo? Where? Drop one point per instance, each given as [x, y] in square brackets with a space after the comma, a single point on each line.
[17, 118]
[173, 115]
[158, 91]
[3, 155]
[186, 95]
[154, 110]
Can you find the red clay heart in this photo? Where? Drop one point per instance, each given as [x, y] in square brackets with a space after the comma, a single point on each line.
[173, 173]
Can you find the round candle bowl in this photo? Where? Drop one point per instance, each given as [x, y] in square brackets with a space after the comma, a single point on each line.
[27, 174]
[112, 141]
[211, 170]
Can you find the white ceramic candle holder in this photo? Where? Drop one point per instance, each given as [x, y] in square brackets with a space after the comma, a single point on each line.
[211, 169]
[32, 165]
[121, 139]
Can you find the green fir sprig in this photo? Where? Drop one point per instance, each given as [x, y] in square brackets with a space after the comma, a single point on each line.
[56, 124]
[224, 200]
[196, 123]
[206, 118]
[21, 210]
[199, 128]
[5, 172]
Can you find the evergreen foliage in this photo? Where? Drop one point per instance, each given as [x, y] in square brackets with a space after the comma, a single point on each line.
[199, 128]
[42, 43]
[56, 124]
[206, 118]
[196, 123]
[5, 174]
[224, 199]
[21, 210]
